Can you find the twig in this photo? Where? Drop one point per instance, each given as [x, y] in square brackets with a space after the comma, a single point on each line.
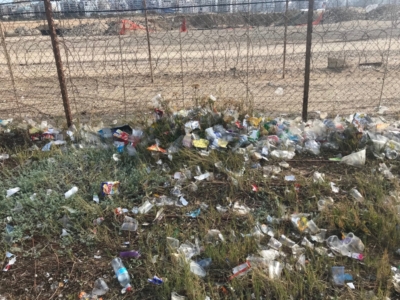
[53, 294]
[69, 275]
[58, 262]
[34, 258]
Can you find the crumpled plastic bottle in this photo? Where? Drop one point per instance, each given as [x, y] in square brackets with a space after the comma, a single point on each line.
[100, 287]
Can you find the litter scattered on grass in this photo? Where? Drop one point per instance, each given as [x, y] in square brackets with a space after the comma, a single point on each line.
[193, 190]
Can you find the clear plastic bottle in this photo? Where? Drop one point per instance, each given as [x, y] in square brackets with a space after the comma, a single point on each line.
[121, 273]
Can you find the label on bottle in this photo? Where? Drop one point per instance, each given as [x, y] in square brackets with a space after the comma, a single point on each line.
[121, 271]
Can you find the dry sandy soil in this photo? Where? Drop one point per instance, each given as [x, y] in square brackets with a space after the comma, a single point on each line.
[110, 74]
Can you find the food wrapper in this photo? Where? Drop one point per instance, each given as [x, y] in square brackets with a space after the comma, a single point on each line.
[110, 188]
[360, 121]
[191, 125]
[382, 126]
[156, 148]
[36, 135]
[159, 113]
[222, 143]
[119, 134]
[254, 121]
[255, 134]
[201, 143]
[47, 136]
[238, 124]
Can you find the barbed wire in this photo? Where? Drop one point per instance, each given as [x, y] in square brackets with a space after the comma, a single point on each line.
[236, 56]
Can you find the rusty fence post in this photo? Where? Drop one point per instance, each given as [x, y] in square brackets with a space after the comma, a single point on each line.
[182, 74]
[148, 40]
[284, 39]
[308, 59]
[10, 70]
[57, 58]
[123, 72]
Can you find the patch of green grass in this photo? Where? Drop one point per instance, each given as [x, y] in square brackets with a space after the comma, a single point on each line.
[70, 260]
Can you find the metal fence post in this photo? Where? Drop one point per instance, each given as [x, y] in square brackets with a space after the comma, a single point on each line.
[59, 65]
[284, 39]
[3, 42]
[182, 76]
[247, 55]
[148, 40]
[308, 59]
[123, 72]
[393, 24]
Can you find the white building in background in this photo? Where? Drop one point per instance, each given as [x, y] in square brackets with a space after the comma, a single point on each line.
[240, 6]
[187, 7]
[69, 6]
[87, 7]
[168, 3]
[135, 4]
[262, 7]
[154, 5]
[103, 5]
[204, 6]
[225, 6]
[38, 7]
[118, 5]
[213, 6]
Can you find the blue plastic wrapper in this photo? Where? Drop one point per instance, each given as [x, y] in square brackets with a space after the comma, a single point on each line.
[155, 280]
[194, 214]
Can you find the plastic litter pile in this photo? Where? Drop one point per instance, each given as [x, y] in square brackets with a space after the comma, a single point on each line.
[259, 140]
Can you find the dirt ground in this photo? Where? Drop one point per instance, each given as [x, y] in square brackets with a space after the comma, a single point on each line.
[111, 74]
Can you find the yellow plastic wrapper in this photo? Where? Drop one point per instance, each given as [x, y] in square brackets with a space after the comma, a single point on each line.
[382, 126]
[33, 130]
[302, 224]
[254, 121]
[222, 143]
[201, 143]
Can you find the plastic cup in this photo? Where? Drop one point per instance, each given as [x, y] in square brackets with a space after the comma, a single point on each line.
[312, 227]
[274, 243]
[353, 243]
[275, 269]
[338, 275]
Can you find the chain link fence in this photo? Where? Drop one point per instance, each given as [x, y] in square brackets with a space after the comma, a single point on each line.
[248, 55]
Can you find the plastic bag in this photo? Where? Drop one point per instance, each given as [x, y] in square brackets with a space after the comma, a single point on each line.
[355, 159]
[313, 147]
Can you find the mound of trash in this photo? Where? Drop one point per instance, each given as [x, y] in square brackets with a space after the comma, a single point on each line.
[92, 29]
[343, 14]
[22, 31]
[262, 144]
[384, 12]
